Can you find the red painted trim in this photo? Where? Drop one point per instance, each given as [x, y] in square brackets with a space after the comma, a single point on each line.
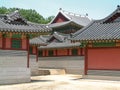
[28, 53]
[86, 61]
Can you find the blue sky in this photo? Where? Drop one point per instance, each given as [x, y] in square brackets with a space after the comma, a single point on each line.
[96, 9]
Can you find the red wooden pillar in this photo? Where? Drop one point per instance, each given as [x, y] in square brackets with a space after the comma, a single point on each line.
[3, 41]
[79, 51]
[69, 52]
[54, 52]
[46, 52]
[36, 54]
[86, 61]
[28, 52]
[43, 52]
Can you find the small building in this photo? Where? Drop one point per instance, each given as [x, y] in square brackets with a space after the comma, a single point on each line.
[15, 32]
[101, 40]
[59, 44]
[60, 53]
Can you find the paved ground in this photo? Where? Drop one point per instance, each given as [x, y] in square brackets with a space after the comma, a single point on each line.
[63, 82]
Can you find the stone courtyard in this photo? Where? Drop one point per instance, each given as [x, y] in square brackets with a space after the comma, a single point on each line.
[63, 82]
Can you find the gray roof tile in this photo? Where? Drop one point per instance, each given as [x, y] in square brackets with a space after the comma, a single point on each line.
[38, 41]
[98, 30]
[66, 44]
[76, 18]
[5, 24]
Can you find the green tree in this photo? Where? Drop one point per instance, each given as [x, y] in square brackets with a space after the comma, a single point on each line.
[3, 10]
[49, 19]
[29, 14]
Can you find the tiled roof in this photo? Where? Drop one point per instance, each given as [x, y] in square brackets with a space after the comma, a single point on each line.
[81, 20]
[63, 41]
[38, 41]
[54, 25]
[61, 24]
[7, 26]
[59, 36]
[65, 44]
[99, 30]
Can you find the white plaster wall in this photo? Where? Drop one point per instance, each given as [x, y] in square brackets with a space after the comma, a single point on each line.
[33, 65]
[71, 64]
[13, 67]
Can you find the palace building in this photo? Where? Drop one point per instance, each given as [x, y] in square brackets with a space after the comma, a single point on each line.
[63, 26]
[101, 40]
[59, 47]
[15, 32]
[68, 22]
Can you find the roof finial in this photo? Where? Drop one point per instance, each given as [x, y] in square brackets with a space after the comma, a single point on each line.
[60, 9]
[118, 6]
[17, 10]
[86, 14]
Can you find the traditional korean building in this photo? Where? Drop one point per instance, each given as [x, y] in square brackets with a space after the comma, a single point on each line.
[68, 22]
[15, 32]
[60, 52]
[101, 40]
[59, 45]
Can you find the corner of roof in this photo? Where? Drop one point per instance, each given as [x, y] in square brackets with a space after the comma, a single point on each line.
[81, 30]
[117, 10]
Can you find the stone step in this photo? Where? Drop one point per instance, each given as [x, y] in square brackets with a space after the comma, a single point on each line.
[44, 71]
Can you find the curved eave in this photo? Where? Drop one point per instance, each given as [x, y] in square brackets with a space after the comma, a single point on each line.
[66, 24]
[37, 44]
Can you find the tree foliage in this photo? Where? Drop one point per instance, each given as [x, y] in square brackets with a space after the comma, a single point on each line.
[29, 14]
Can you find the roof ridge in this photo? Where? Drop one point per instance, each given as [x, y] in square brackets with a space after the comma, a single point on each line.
[71, 13]
[107, 17]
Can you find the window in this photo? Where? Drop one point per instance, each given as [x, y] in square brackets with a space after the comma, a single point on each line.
[50, 53]
[31, 50]
[40, 53]
[16, 43]
[74, 52]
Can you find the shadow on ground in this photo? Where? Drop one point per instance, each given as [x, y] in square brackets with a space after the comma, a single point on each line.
[32, 81]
